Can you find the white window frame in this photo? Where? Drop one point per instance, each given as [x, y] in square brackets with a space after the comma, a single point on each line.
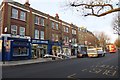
[42, 33]
[36, 20]
[75, 40]
[14, 13]
[73, 31]
[22, 33]
[36, 34]
[66, 39]
[13, 30]
[57, 26]
[52, 25]
[67, 29]
[23, 15]
[42, 21]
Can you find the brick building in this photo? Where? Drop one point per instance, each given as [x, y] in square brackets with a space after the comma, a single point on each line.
[26, 32]
[86, 37]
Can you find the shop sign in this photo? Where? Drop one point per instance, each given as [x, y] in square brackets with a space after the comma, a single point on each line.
[39, 41]
[20, 43]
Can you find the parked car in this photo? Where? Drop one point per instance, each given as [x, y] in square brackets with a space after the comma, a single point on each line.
[95, 52]
[101, 52]
[82, 52]
[92, 52]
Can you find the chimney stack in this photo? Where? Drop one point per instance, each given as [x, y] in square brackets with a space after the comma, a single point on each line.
[27, 4]
[57, 16]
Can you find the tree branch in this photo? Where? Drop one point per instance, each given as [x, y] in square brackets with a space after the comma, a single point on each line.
[95, 5]
[105, 13]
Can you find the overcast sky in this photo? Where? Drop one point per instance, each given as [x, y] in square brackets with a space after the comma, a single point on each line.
[58, 6]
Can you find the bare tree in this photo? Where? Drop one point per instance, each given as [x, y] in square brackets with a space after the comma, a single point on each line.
[103, 39]
[95, 7]
[117, 43]
[116, 25]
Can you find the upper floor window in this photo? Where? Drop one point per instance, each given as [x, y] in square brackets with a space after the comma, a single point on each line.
[22, 15]
[73, 31]
[22, 31]
[36, 34]
[36, 20]
[73, 40]
[42, 21]
[66, 29]
[53, 37]
[66, 39]
[13, 29]
[14, 13]
[57, 26]
[1, 15]
[42, 35]
[52, 25]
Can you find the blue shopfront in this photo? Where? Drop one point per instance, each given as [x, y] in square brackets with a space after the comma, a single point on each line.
[55, 47]
[39, 48]
[1, 47]
[16, 49]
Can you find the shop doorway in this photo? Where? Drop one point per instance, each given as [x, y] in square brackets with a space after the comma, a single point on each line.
[39, 51]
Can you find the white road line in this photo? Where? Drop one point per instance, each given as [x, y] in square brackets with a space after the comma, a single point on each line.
[71, 76]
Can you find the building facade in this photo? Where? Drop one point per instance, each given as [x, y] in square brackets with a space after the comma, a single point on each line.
[86, 37]
[27, 33]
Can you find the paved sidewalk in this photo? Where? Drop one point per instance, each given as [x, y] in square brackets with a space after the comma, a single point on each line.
[31, 61]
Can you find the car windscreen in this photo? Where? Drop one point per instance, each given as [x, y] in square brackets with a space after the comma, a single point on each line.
[91, 51]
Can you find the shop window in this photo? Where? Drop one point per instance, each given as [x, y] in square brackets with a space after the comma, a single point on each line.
[42, 21]
[14, 13]
[42, 35]
[56, 38]
[13, 29]
[20, 51]
[22, 31]
[36, 34]
[22, 15]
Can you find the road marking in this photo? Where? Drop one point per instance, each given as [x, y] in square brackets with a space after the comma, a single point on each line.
[84, 70]
[111, 67]
[71, 76]
[110, 72]
[116, 67]
[95, 70]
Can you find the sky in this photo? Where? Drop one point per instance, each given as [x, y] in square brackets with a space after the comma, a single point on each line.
[93, 24]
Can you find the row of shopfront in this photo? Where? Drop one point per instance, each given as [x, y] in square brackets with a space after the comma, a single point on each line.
[18, 48]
